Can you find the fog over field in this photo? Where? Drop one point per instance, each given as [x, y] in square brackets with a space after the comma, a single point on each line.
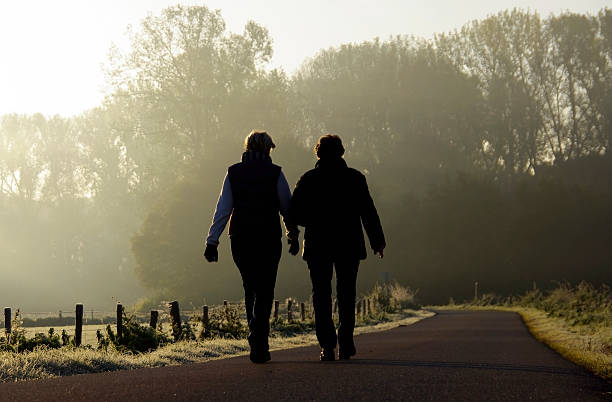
[484, 133]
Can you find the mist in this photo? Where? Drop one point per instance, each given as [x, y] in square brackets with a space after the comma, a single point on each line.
[486, 150]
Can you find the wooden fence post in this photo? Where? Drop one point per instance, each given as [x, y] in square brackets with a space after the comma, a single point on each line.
[225, 305]
[7, 320]
[475, 291]
[369, 306]
[364, 308]
[78, 321]
[175, 313]
[276, 305]
[119, 320]
[154, 318]
[60, 314]
[289, 315]
[204, 317]
[358, 306]
[302, 311]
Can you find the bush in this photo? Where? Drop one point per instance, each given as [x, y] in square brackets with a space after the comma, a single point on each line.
[135, 338]
[390, 297]
[580, 305]
[18, 342]
[290, 328]
[225, 324]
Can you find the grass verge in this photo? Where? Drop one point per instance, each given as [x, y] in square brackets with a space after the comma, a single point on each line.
[586, 345]
[46, 363]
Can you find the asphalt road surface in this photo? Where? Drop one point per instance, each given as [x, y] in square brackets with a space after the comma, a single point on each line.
[454, 356]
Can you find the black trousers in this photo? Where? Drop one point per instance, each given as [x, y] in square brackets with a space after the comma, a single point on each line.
[257, 260]
[321, 272]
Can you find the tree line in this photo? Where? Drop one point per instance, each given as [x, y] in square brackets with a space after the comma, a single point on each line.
[486, 150]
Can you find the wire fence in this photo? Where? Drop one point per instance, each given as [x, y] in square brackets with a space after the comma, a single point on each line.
[88, 322]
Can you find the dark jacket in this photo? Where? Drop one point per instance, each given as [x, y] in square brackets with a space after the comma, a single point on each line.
[256, 204]
[332, 201]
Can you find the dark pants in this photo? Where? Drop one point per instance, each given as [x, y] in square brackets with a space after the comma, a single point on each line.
[321, 272]
[257, 260]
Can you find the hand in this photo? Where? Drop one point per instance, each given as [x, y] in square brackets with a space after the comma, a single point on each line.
[211, 254]
[294, 246]
[379, 250]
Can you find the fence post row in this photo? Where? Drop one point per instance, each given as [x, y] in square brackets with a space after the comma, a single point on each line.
[302, 311]
[154, 317]
[175, 313]
[205, 317]
[7, 320]
[276, 305]
[119, 320]
[78, 330]
[289, 315]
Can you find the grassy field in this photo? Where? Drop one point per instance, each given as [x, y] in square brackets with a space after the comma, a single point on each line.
[45, 363]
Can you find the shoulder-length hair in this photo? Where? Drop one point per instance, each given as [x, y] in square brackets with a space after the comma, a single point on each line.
[258, 141]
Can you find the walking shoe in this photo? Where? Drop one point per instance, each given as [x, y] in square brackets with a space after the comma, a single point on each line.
[259, 357]
[345, 353]
[328, 355]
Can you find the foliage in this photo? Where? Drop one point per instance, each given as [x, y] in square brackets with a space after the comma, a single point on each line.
[225, 323]
[487, 152]
[583, 304]
[506, 237]
[284, 328]
[135, 338]
[390, 297]
[17, 341]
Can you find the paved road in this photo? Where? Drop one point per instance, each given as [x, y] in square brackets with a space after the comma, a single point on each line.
[454, 356]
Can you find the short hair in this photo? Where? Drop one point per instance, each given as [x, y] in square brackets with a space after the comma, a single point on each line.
[258, 141]
[329, 146]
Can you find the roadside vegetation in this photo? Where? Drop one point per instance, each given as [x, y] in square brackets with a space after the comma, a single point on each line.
[141, 346]
[576, 321]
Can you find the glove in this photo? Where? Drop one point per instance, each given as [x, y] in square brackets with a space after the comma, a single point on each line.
[379, 250]
[294, 246]
[211, 254]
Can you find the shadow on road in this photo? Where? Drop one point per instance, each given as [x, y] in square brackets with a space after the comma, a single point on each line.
[464, 365]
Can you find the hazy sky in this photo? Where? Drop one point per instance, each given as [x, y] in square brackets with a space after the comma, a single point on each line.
[51, 51]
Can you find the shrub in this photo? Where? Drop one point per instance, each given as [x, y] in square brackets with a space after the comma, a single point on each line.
[290, 328]
[135, 338]
[225, 324]
[17, 341]
[390, 297]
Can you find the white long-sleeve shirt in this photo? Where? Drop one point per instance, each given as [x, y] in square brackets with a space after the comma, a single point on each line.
[225, 206]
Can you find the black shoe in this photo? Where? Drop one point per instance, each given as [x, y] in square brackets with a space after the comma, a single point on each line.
[328, 355]
[345, 353]
[260, 358]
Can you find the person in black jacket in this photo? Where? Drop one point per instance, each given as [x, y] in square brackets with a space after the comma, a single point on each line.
[254, 192]
[332, 201]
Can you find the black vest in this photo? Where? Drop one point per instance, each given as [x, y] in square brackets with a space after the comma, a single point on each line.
[256, 207]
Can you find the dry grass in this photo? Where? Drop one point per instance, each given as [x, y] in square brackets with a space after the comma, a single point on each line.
[45, 363]
[585, 345]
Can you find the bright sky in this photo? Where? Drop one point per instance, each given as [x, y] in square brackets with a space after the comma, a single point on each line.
[51, 51]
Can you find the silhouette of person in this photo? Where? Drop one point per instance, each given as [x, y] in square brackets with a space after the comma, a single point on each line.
[331, 202]
[254, 192]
